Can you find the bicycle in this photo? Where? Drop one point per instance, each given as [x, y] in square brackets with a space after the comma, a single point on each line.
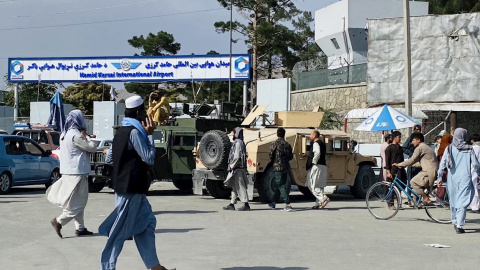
[382, 196]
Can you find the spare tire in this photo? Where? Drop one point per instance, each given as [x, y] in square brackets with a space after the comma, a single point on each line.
[214, 149]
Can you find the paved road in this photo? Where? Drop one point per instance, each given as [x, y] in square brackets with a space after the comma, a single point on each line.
[194, 233]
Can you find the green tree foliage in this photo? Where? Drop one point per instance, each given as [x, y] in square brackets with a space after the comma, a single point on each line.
[453, 6]
[28, 93]
[82, 95]
[162, 43]
[331, 119]
[273, 45]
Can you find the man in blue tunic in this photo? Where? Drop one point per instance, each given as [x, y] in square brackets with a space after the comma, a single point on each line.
[132, 151]
[459, 158]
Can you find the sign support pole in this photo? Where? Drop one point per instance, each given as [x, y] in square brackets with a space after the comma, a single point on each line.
[245, 98]
[230, 66]
[15, 106]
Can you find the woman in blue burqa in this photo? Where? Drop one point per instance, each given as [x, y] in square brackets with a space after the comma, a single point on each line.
[459, 159]
[237, 172]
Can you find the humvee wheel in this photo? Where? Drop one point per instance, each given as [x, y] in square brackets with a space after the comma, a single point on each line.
[183, 184]
[217, 189]
[364, 180]
[267, 187]
[94, 187]
[214, 149]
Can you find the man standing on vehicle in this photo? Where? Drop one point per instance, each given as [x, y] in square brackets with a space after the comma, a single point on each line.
[71, 191]
[280, 155]
[317, 170]
[423, 157]
[237, 172]
[133, 150]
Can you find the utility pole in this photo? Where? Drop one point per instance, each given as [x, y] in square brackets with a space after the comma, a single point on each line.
[230, 66]
[407, 58]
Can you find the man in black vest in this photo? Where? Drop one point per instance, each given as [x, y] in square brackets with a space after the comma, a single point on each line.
[317, 170]
[133, 150]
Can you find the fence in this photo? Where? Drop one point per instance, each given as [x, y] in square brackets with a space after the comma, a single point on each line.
[324, 77]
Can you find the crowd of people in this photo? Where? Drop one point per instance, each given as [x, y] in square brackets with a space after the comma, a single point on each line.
[452, 159]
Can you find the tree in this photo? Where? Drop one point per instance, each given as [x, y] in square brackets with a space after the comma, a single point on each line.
[331, 119]
[273, 45]
[28, 93]
[82, 95]
[162, 43]
[453, 6]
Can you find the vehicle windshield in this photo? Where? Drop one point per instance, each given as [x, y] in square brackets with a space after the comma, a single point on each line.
[55, 138]
[96, 143]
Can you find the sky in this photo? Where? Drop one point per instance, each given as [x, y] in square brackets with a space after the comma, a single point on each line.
[25, 27]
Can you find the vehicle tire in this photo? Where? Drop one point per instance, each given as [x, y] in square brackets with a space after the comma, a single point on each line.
[183, 184]
[306, 192]
[217, 189]
[364, 180]
[5, 183]
[440, 212]
[94, 187]
[53, 178]
[214, 149]
[267, 187]
[377, 201]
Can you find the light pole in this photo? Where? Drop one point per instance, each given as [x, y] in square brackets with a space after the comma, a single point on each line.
[230, 66]
[407, 58]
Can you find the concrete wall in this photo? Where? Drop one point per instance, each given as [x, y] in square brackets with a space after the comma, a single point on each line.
[340, 97]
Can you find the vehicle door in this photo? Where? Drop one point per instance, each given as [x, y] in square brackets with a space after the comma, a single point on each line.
[182, 158]
[337, 164]
[15, 159]
[33, 155]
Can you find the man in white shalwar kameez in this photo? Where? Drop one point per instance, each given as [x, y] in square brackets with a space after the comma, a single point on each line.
[237, 172]
[317, 170]
[70, 192]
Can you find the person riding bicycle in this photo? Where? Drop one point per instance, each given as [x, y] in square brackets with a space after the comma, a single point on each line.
[423, 157]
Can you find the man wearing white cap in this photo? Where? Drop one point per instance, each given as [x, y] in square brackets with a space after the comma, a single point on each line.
[132, 152]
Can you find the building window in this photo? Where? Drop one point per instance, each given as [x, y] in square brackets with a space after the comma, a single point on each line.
[335, 43]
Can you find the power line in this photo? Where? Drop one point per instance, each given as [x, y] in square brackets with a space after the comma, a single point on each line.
[109, 21]
[78, 11]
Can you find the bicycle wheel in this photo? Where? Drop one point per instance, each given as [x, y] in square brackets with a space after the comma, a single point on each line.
[440, 212]
[379, 205]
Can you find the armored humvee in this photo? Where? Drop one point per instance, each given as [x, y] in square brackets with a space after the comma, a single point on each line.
[345, 167]
[176, 140]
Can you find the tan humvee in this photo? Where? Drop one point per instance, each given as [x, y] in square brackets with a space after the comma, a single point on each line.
[345, 167]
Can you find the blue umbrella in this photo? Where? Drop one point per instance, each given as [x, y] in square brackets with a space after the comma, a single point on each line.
[57, 115]
[387, 118]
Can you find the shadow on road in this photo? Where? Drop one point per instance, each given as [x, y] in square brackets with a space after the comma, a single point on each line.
[183, 212]
[27, 190]
[11, 201]
[265, 268]
[177, 230]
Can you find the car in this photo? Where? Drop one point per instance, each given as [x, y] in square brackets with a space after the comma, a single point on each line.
[102, 144]
[45, 136]
[25, 162]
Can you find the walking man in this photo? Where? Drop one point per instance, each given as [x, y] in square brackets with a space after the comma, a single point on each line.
[383, 171]
[280, 155]
[317, 170]
[459, 158]
[423, 157]
[133, 150]
[70, 192]
[237, 172]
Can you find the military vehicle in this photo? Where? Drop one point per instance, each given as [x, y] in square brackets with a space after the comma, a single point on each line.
[176, 140]
[345, 167]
